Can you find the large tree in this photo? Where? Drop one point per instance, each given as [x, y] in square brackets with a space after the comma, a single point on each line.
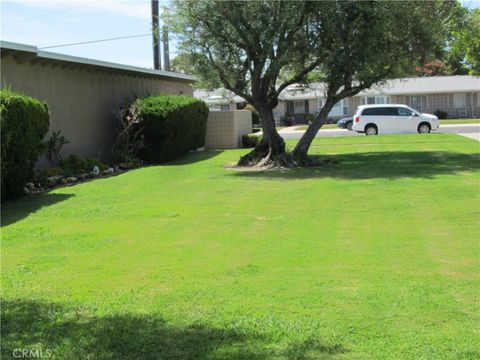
[368, 43]
[248, 43]
[350, 44]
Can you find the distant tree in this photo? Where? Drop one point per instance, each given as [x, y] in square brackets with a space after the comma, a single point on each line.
[434, 68]
[258, 48]
[472, 43]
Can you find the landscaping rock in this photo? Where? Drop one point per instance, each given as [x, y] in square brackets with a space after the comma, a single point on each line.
[53, 180]
[26, 190]
[93, 174]
[95, 170]
[108, 171]
[72, 179]
[125, 166]
[82, 176]
[30, 185]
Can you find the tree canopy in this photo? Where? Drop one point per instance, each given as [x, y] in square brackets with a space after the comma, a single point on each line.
[258, 48]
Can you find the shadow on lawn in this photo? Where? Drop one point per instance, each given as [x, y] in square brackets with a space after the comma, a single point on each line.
[13, 211]
[371, 165]
[194, 157]
[76, 334]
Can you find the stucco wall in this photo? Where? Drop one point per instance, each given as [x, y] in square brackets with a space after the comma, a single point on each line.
[225, 128]
[83, 102]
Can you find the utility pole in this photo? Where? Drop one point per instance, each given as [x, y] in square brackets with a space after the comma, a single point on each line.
[166, 54]
[157, 63]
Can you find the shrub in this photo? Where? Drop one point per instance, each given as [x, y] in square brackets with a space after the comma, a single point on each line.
[24, 123]
[286, 121]
[54, 145]
[251, 140]
[173, 125]
[90, 163]
[75, 165]
[255, 116]
[440, 114]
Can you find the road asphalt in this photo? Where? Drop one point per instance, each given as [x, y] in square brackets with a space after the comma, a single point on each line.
[470, 130]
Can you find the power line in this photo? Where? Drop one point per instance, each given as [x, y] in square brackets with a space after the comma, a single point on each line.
[52, 13]
[95, 41]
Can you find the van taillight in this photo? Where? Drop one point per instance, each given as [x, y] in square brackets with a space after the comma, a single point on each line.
[356, 119]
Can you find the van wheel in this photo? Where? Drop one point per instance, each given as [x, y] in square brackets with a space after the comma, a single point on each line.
[424, 128]
[371, 130]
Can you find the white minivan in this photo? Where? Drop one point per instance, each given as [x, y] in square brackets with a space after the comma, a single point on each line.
[391, 119]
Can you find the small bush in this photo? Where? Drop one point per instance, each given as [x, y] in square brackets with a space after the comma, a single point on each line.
[440, 114]
[286, 121]
[90, 163]
[251, 140]
[172, 126]
[24, 123]
[160, 128]
[255, 130]
[255, 116]
[75, 165]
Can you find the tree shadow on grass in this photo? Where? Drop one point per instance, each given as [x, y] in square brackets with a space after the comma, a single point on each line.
[15, 210]
[372, 165]
[194, 157]
[73, 333]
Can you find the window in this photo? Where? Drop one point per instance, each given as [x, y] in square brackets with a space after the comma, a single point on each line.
[372, 100]
[404, 111]
[299, 106]
[416, 101]
[225, 107]
[459, 100]
[380, 111]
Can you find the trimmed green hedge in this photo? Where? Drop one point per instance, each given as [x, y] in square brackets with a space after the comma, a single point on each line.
[174, 125]
[24, 124]
[251, 140]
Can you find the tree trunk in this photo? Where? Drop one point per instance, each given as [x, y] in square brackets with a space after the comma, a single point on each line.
[300, 153]
[271, 149]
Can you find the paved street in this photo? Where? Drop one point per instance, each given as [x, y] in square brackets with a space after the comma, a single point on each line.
[470, 130]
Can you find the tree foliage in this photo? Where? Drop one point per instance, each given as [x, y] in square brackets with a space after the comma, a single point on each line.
[258, 48]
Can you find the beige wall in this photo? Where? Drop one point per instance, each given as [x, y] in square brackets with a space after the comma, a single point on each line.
[225, 128]
[83, 102]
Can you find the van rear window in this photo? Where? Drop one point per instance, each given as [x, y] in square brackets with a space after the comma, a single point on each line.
[380, 111]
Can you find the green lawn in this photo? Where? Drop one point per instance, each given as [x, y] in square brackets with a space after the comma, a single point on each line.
[459, 121]
[373, 256]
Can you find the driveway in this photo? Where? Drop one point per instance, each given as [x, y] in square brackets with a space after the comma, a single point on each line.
[469, 130]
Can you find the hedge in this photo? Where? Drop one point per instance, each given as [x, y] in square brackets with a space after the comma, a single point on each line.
[24, 123]
[174, 125]
[251, 140]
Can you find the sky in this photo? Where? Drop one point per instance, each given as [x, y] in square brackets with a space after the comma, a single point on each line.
[57, 22]
[63, 22]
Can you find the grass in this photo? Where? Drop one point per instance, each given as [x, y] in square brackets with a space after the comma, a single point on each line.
[372, 257]
[459, 121]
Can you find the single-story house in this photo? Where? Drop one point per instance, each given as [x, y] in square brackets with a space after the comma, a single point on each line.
[84, 95]
[457, 96]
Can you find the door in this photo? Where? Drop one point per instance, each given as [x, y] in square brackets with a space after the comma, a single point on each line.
[404, 120]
